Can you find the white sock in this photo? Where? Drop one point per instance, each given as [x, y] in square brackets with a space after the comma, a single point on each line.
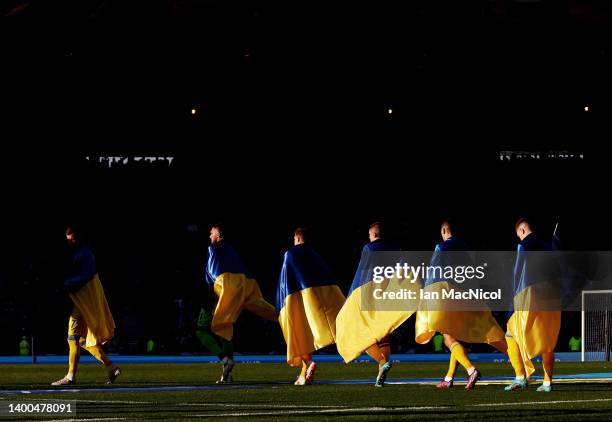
[448, 379]
[70, 376]
[520, 378]
[546, 383]
[471, 370]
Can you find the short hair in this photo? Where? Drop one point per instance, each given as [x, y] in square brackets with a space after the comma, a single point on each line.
[380, 227]
[302, 232]
[520, 221]
[220, 228]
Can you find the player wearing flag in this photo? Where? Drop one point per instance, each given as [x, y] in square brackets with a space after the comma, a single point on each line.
[307, 301]
[359, 329]
[471, 326]
[236, 290]
[534, 326]
[90, 324]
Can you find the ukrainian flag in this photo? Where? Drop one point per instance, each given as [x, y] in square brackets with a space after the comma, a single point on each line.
[235, 287]
[357, 328]
[91, 303]
[466, 326]
[307, 302]
[536, 320]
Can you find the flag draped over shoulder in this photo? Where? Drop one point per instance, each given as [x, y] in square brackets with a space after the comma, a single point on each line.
[467, 326]
[536, 320]
[307, 301]
[357, 327]
[89, 299]
[91, 303]
[235, 287]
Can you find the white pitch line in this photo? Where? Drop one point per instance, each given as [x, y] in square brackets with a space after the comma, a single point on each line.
[322, 411]
[99, 401]
[314, 410]
[287, 406]
[87, 420]
[522, 403]
[393, 409]
[161, 403]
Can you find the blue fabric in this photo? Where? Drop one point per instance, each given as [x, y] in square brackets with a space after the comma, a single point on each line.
[222, 258]
[452, 252]
[82, 268]
[364, 274]
[302, 268]
[531, 268]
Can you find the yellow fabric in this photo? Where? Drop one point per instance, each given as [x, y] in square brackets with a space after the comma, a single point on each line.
[73, 356]
[459, 353]
[466, 326]
[359, 327]
[94, 321]
[514, 353]
[99, 354]
[534, 331]
[237, 292]
[452, 367]
[308, 320]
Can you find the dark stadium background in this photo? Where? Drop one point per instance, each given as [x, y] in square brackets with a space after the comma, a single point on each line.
[291, 129]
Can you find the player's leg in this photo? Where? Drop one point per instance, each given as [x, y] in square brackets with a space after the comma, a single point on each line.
[112, 370]
[311, 367]
[301, 379]
[205, 335]
[447, 382]
[514, 354]
[381, 352]
[458, 352]
[74, 351]
[217, 345]
[227, 351]
[548, 362]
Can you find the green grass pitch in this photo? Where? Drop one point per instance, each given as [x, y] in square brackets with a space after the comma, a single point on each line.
[273, 397]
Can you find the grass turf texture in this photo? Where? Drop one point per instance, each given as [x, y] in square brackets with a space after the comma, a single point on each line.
[283, 401]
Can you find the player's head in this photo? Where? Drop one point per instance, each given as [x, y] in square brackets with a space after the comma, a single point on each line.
[522, 228]
[300, 236]
[73, 236]
[447, 229]
[216, 233]
[376, 231]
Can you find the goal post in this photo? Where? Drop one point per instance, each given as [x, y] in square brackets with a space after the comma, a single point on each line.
[596, 325]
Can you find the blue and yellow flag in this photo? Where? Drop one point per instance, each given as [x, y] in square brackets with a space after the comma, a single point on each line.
[88, 296]
[358, 328]
[91, 303]
[235, 287]
[467, 326]
[307, 301]
[534, 330]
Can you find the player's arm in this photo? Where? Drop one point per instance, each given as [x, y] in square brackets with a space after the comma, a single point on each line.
[86, 266]
[208, 275]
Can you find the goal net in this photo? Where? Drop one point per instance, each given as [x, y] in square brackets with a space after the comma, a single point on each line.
[596, 325]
